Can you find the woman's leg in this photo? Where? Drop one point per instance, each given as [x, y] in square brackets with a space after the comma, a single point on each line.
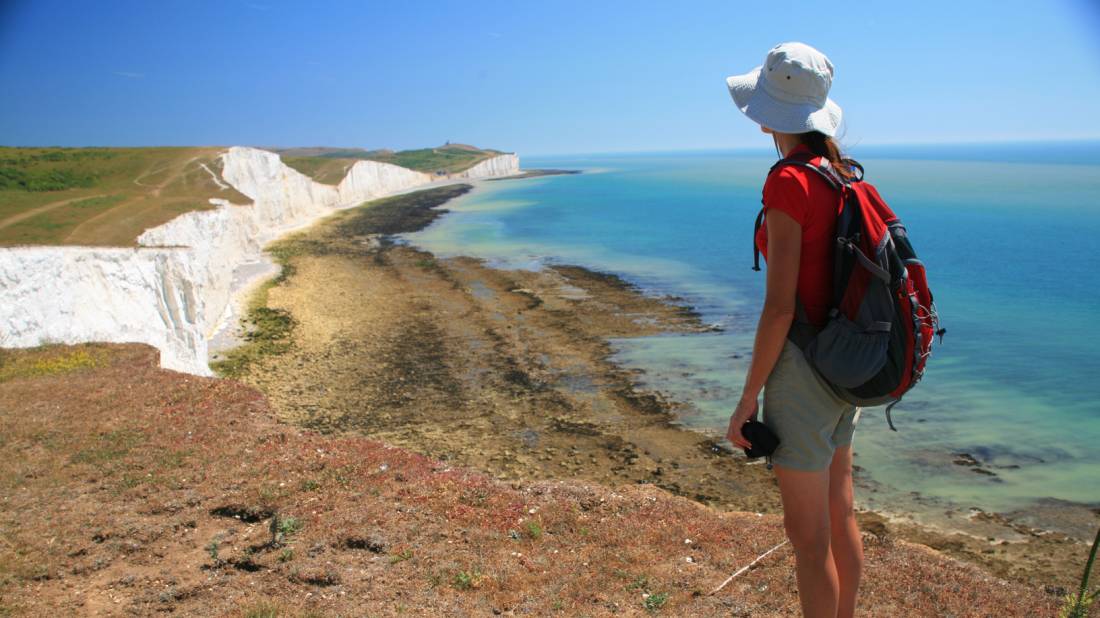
[846, 543]
[806, 517]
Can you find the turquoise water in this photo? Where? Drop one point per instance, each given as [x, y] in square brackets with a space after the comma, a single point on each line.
[1008, 233]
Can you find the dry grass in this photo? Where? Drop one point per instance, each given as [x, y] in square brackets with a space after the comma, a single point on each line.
[132, 490]
[50, 360]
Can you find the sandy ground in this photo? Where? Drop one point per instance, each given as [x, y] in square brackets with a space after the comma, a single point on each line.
[508, 372]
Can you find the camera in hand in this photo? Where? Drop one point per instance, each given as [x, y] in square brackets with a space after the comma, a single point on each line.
[763, 440]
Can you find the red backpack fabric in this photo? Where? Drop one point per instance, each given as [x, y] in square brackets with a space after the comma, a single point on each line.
[878, 338]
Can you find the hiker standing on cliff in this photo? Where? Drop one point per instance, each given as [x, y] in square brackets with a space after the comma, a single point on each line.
[788, 98]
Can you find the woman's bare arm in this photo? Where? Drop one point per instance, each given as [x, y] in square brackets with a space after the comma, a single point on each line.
[784, 252]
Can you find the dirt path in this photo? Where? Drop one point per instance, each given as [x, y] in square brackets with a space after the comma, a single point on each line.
[27, 214]
[153, 192]
[155, 189]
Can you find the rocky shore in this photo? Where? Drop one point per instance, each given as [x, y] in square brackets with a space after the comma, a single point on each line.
[509, 372]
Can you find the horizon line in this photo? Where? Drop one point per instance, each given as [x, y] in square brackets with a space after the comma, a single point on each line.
[738, 148]
[768, 148]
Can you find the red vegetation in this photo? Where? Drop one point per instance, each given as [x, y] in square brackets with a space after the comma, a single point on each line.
[127, 489]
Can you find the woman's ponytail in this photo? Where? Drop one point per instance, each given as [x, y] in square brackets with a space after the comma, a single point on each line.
[824, 146]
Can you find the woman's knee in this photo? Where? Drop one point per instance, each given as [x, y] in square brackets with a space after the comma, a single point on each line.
[805, 510]
[809, 536]
[841, 492]
[841, 506]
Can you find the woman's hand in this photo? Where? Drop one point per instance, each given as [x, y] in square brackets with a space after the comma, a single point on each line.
[780, 298]
[745, 410]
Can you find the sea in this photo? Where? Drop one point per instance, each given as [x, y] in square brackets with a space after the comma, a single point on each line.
[1009, 233]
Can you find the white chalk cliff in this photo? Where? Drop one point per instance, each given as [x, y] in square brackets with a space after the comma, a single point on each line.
[172, 291]
[501, 165]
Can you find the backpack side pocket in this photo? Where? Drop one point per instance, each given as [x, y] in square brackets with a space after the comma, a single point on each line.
[847, 354]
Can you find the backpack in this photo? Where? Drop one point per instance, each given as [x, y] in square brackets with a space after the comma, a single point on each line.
[882, 319]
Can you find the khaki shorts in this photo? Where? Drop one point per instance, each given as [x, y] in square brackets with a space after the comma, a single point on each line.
[802, 409]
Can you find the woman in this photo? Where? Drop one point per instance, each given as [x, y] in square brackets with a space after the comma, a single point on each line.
[788, 97]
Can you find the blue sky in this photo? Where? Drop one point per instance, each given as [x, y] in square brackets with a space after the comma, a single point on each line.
[535, 77]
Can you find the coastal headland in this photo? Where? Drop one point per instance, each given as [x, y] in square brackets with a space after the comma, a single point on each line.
[403, 433]
[171, 285]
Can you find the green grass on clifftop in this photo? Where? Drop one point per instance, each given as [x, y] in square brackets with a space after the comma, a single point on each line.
[102, 196]
[109, 196]
[329, 165]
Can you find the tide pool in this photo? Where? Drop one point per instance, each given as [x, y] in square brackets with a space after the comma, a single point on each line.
[1009, 244]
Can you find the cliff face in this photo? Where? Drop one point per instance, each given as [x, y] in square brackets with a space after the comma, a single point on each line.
[74, 294]
[172, 291]
[502, 165]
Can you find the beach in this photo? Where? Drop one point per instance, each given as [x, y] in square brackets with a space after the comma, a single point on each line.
[511, 372]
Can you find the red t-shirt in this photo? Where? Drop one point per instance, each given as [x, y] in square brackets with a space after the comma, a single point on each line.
[808, 199]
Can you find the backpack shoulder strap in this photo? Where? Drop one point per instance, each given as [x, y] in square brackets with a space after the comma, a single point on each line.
[825, 170]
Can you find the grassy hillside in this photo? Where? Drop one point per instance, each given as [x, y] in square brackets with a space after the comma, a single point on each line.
[108, 196]
[329, 165]
[329, 170]
[102, 196]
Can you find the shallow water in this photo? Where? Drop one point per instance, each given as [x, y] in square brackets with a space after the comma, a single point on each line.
[1009, 244]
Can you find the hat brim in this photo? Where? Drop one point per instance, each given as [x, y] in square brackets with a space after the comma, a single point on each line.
[750, 97]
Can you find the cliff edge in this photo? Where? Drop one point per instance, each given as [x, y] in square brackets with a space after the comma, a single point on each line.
[175, 288]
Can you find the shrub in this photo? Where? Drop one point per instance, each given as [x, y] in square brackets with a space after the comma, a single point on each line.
[17, 179]
[464, 580]
[534, 529]
[655, 601]
[1077, 606]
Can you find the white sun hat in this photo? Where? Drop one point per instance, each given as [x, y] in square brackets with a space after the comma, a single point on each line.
[789, 93]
